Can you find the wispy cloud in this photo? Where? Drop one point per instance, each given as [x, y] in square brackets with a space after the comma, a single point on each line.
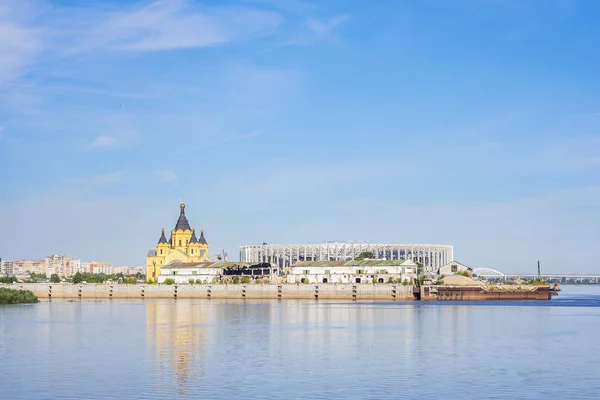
[172, 24]
[104, 179]
[232, 138]
[19, 41]
[104, 141]
[164, 176]
[318, 30]
[574, 154]
[93, 183]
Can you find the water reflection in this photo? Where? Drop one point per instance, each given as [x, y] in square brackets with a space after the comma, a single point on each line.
[177, 335]
[165, 349]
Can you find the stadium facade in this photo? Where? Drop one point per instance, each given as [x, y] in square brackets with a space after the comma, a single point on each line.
[432, 256]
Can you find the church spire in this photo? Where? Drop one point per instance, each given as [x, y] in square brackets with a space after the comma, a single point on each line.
[202, 240]
[193, 239]
[163, 239]
[182, 222]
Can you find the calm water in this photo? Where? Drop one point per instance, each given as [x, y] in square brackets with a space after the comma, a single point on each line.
[302, 349]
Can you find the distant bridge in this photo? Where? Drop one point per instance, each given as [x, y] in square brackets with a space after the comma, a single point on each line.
[493, 274]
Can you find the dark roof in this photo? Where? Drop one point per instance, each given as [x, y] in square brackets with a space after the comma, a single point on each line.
[163, 239]
[182, 222]
[151, 253]
[215, 264]
[193, 239]
[202, 240]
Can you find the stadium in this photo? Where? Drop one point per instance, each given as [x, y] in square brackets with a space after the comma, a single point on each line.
[432, 256]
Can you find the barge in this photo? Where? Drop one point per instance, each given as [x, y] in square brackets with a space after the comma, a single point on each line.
[441, 292]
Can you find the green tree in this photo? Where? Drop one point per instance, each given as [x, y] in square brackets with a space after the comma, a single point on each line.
[54, 278]
[77, 278]
[365, 254]
[7, 279]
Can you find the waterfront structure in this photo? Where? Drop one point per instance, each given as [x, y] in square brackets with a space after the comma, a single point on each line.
[183, 272]
[210, 272]
[453, 267]
[183, 246]
[354, 271]
[431, 256]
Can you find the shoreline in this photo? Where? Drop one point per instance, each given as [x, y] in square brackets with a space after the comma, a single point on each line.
[325, 291]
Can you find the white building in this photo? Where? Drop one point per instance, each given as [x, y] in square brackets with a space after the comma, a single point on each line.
[431, 256]
[184, 272]
[7, 267]
[364, 271]
[453, 268]
[60, 265]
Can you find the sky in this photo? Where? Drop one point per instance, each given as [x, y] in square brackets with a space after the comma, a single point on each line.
[473, 123]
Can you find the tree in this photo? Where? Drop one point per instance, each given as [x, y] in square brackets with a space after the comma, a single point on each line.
[54, 278]
[78, 277]
[365, 254]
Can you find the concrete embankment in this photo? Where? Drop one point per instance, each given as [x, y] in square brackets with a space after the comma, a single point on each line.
[256, 291]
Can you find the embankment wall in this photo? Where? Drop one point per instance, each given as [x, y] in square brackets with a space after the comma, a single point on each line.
[256, 291]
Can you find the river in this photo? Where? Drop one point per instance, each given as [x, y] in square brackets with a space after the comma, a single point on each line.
[166, 349]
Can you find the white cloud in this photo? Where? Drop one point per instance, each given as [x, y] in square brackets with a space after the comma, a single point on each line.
[164, 176]
[232, 138]
[100, 180]
[104, 141]
[19, 43]
[172, 24]
[573, 154]
[317, 30]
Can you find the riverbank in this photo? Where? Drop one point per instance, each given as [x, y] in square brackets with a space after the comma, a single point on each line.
[252, 291]
[388, 292]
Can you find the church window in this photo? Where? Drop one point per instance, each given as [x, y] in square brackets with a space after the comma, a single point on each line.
[180, 243]
[192, 251]
[160, 251]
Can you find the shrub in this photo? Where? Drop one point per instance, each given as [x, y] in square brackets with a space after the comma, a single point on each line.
[245, 279]
[191, 281]
[14, 296]
[236, 280]
[169, 281]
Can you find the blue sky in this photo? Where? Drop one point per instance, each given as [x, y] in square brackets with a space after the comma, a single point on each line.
[473, 123]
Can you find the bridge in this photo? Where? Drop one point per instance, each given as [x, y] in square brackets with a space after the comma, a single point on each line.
[493, 274]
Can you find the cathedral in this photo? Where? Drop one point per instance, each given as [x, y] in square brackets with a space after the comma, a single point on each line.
[182, 246]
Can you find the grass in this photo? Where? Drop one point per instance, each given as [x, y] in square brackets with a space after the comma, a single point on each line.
[14, 296]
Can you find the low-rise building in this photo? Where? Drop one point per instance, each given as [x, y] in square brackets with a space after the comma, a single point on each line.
[454, 267]
[183, 272]
[355, 271]
[209, 271]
